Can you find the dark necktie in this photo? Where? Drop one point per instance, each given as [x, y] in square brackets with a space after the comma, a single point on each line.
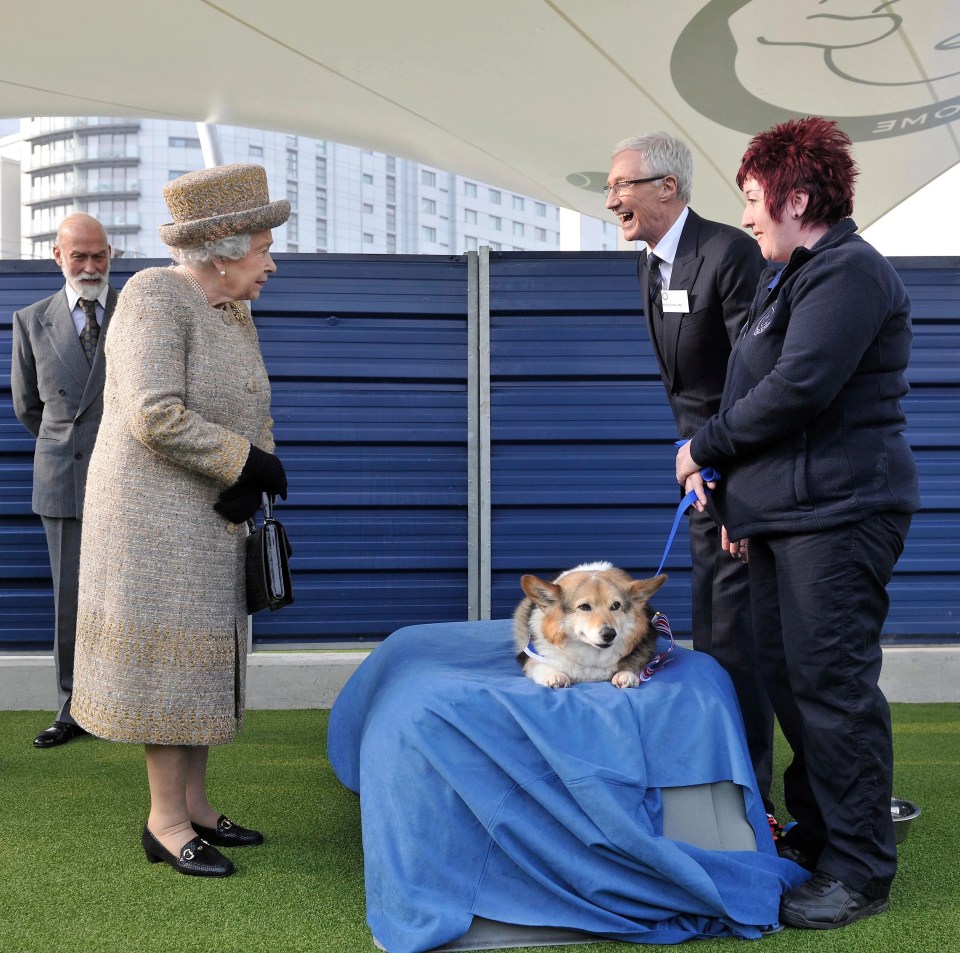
[655, 284]
[91, 330]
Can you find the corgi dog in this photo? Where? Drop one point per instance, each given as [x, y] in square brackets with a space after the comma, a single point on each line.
[591, 624]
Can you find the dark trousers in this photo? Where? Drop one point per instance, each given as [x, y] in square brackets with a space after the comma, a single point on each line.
[819, 603]
[63, 544]
[723, 628]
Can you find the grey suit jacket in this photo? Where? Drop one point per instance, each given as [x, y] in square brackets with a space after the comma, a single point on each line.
[719, 267]
[58, 397]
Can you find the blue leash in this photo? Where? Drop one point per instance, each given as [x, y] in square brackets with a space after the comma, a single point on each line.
[709, 475]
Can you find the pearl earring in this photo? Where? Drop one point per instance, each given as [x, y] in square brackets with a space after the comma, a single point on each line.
[223, 271]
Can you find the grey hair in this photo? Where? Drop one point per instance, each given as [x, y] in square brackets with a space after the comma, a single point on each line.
[662, 153]
[233, 247]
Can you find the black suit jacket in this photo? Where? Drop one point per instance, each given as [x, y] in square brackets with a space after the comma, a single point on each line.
[719, 267]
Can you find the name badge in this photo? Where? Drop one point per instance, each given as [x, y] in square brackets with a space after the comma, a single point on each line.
[675, 302]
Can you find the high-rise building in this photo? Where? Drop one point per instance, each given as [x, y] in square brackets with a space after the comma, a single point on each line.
[343, 198]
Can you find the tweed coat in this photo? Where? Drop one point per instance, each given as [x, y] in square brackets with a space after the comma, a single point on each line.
[162, 622]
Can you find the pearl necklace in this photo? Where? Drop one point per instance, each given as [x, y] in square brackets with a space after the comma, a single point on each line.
[239, 312]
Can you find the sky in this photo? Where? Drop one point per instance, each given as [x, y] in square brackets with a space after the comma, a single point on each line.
[918, 225]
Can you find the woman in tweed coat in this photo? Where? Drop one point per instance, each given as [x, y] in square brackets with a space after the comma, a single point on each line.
[184, 451]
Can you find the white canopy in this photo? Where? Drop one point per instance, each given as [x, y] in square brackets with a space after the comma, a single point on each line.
[528, 94]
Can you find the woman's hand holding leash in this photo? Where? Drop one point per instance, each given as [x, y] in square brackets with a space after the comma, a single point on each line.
[692, 478]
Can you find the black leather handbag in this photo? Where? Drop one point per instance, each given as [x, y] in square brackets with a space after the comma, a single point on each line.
[268, 563]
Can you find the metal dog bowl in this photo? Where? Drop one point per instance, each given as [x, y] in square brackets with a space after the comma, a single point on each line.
[904, 814]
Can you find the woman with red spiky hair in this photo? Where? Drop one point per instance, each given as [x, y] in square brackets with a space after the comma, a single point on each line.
[819, 478]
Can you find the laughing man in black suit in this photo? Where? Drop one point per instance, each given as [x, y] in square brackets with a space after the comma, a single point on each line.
[697, 280]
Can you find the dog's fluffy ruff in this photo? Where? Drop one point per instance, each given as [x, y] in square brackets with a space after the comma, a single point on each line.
[590, 624]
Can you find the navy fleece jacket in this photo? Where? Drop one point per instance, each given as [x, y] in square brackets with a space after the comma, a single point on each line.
[809, 434]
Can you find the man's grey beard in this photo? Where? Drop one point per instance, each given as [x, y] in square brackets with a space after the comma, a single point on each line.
[86, 291]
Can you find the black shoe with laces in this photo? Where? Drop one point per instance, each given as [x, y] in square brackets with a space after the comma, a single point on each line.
[825, 903]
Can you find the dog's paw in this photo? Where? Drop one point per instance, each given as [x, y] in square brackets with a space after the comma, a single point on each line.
[625, 680]
[557, 680]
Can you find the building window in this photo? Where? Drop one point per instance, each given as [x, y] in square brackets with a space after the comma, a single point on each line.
[494, 197]
[494, 246]
[321, 170]
[540, 234]
[391, 164]
[391, 244]
[391, 188]
[540, 209]
[367, 208]
[428, 234]
[293, 224]
[518, 229]
[470, 216]
[470, 190]
[256, 152]
[293, 194]
[517, 203]
[367, 178]
[391, 218]
[368, 238]
[292, 163]
[469, 243]
[321, 201]
[180, 142]
[321, 234]
[429, 206]
[496, 223]
[428, 178]
[176, 173]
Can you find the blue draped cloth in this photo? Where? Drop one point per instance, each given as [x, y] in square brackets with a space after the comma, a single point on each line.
[483, 794]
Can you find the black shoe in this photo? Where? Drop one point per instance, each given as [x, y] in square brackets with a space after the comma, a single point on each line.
[825, 903]
[797, 856]
[197, 858]
[228, 834]
[60, 732]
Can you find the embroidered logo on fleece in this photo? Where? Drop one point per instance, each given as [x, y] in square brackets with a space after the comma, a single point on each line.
[765, 320]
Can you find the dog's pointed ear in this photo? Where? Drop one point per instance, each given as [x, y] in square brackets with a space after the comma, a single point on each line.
[643, 589]
[543, 593]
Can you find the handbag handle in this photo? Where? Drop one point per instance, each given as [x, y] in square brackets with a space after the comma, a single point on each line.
[266, 503]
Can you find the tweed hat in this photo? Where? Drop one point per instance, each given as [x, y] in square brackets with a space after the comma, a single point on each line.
[213, 203]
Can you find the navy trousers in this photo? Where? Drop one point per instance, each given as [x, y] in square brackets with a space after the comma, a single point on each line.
[819, 602]
[722, 627]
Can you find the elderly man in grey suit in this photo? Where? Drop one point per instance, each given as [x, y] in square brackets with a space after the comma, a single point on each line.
[57, 376]
[697, 281]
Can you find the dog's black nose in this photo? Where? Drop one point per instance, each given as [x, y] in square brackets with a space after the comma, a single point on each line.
[608, 634]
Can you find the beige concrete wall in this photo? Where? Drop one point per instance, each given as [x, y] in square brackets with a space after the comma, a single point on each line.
[288, 680]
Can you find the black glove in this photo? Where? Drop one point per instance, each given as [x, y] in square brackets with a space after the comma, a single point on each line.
[238, 503]
[264, 472]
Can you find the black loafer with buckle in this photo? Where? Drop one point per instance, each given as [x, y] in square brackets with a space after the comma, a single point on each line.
[197, 858]
[825, 903]
[228, 834]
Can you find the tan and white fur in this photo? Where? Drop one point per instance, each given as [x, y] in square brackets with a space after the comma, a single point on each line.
[591, 624]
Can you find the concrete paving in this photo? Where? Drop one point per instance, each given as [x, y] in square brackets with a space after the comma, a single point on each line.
[290, 680]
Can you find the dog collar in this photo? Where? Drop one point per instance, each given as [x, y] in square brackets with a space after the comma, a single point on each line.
[662, 625]
[532, 652]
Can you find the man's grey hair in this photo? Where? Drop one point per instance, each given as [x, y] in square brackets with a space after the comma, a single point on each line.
[233, 248]
[663, 155]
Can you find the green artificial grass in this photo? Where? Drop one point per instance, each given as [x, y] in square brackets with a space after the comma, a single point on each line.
[73, 876]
